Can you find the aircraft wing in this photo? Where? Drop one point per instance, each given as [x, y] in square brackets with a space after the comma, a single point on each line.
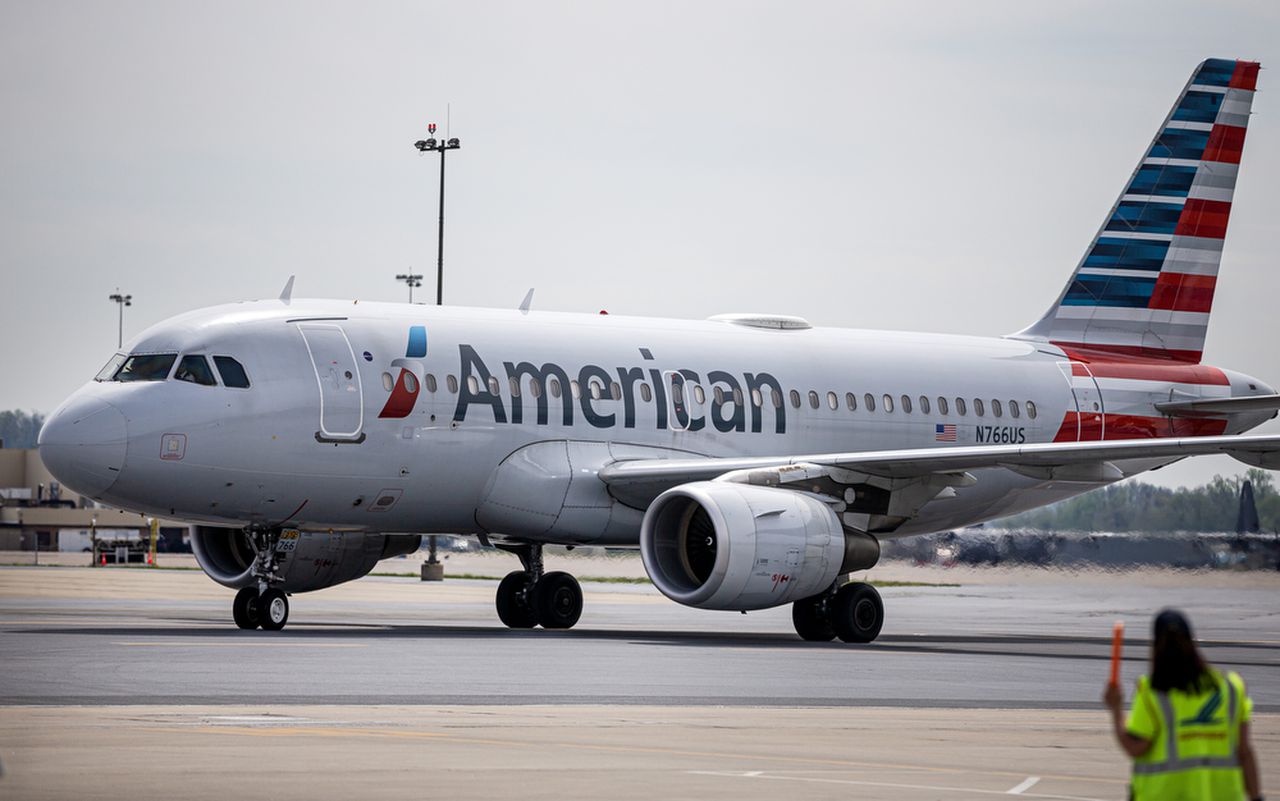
[933, 470]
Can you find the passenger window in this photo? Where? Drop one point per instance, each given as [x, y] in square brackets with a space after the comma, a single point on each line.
[113, 364]
[758, 399]
[431, 382]
[515, 386]
[473, 385]
[795, 399]
[906, 404]
[388, 383]
[719, 396]
[493, 385]
[615, 391]
[535, 387]
[677, 390]
[553, 384]
[410, 383]
[995, 408]
[960, 410]
[595, 389]
[888, 403]
[575, 389]
[646, 394]
[773, 393]
[451, 381]
[851, 401]
[833, 401]
[942, 405]
[924, 404]
[869, 401]
[1031, 409]
[153, 367]
[737, 397]
[196, 370]
[1014, 411]
[699, 394]
[977, 407]
[813, 399]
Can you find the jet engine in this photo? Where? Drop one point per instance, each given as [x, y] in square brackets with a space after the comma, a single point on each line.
[723, 545]
[319, 560]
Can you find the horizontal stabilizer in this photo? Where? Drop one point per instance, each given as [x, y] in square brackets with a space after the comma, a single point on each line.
[1217, 407]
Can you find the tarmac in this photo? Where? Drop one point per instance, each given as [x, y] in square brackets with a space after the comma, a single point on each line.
[134, 683]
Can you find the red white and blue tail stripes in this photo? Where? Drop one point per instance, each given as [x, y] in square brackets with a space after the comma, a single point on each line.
[1145, 286]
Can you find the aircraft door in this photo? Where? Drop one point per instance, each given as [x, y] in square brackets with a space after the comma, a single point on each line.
[1091, 418]
[338, 378]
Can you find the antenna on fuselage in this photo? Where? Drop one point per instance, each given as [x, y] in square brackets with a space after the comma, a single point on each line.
[527, 302]
[286, 294]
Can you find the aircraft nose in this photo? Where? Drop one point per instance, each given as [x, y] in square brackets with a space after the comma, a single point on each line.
[83, 445]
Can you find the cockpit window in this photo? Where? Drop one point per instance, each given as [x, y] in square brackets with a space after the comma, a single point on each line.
[146, 367]
[232, 372]
[106, 373]
[196, 370]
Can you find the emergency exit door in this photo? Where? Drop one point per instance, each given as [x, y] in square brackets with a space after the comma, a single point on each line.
[338, 379]
[1091, 414]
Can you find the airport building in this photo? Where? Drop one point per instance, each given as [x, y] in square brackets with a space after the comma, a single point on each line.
[37, 513]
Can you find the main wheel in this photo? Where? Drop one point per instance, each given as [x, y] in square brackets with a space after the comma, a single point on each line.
[245, 608]
[273, 607]
[857, 613]
[512, 600]
[557, 600]
[809, 615]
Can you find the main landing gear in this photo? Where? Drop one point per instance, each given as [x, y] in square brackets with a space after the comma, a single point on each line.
[853, 612]
[530, 597]
[261, 605]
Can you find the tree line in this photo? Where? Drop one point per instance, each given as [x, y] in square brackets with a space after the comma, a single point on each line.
[18, 429]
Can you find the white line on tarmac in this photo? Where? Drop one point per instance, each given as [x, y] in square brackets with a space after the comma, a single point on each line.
[1025, 786]
[935, 787]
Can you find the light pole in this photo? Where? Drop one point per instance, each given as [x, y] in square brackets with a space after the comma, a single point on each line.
[121, 301]
[412, 279]
[423, 146]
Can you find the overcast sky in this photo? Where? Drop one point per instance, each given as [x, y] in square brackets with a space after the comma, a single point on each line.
[937, 167]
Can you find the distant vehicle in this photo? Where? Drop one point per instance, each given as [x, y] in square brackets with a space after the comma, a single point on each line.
[753, 458]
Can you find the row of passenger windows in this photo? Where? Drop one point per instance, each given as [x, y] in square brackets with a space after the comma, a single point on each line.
[193, 368]
[613, 391]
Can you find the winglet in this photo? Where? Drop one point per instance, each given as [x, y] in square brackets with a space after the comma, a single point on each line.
[286, 294]
[527, 302]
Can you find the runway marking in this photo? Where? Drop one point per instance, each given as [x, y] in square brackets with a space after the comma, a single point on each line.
[894, 785]
[318, 731]
[240, 644]
[1023, 787]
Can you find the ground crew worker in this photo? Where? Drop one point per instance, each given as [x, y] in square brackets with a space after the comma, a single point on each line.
[1188, 729]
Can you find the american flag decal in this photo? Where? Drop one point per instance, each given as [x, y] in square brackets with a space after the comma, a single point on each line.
[944, 432]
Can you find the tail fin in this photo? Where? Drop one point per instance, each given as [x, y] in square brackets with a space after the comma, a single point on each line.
[1145, 285]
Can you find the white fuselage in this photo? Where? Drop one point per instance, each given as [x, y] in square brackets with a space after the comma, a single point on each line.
[329, 435]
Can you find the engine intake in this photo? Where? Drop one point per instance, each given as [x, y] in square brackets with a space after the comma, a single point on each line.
[722, 545]
[321, 559]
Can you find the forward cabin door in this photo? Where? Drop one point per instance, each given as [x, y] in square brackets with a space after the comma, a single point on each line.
[1091, 415]
[338, 379]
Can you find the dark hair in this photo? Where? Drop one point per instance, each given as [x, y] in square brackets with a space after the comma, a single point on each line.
[1176, 663]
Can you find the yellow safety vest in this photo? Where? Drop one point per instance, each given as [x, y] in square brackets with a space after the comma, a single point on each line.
[1193, 737]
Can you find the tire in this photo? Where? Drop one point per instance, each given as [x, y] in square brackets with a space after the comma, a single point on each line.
[512, 601]
[273, 609]
[557, 600]
[809, 616]
[857, 613]
[245, 608]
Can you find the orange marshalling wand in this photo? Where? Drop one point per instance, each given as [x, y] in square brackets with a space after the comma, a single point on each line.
[1117, 645]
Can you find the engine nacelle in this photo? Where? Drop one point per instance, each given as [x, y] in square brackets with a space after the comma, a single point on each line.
[320, 559]
[722, 545]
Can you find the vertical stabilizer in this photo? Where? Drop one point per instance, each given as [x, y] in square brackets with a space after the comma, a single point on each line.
[1145, 285]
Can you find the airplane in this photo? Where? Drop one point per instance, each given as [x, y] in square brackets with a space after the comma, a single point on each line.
[754, 459]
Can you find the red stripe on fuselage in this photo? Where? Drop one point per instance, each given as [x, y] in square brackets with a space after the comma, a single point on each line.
[1128, 354]
[1183, 292]
[1094, 427]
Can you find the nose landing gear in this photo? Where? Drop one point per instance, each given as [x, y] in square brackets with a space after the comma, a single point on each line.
[262, 605]
[529, 597]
